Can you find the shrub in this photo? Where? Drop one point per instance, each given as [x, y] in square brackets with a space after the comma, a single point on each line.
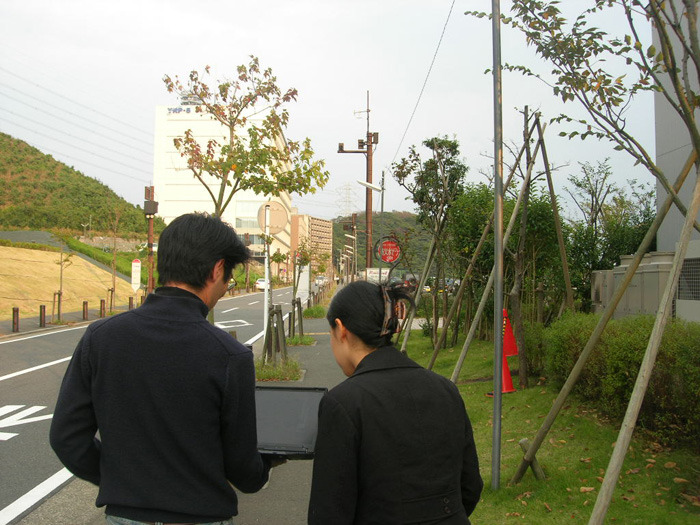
[670, 409]
[300, 340]
[534, 348]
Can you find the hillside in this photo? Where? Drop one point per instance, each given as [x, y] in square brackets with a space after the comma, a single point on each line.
[39, 192]
[29, 278]
[412, 237]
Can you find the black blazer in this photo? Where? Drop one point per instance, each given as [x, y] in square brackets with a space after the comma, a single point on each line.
[394, 445]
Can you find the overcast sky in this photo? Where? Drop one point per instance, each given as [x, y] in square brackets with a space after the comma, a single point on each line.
[79, 79]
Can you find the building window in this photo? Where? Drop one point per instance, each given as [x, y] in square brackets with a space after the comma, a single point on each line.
[689, 282]
[247, 222]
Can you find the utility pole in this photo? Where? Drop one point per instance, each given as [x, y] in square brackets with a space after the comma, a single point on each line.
[365, 147]
[150, 208]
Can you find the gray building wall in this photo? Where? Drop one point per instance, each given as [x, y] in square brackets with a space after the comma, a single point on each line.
[672, 151]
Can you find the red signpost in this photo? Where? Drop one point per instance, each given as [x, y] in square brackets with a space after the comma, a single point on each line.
[389, 251]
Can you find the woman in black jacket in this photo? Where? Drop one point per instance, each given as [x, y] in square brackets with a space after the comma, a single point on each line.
[394, 443]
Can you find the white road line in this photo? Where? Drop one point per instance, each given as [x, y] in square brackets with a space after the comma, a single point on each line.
[229, 310]
[254, 302]
[32, 369]
[43, 489]
[256, 337]
[53, 332]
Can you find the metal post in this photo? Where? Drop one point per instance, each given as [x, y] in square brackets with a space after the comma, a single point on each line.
[498, 247]
[15, 319]
[42, 316]
[85, 310]
[266, 302]
[102, 308]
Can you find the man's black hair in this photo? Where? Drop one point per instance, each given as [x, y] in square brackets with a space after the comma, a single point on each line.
[191, 245]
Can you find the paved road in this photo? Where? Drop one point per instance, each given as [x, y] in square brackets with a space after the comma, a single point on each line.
[32, 365]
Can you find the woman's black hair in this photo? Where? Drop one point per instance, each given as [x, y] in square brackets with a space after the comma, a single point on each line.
[191, 245]
[368, 311]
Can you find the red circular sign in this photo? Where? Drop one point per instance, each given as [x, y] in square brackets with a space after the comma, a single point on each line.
[389, 251]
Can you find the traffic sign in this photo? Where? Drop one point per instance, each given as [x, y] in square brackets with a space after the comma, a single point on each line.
[389, 250]
[135, 275]
[278, 217]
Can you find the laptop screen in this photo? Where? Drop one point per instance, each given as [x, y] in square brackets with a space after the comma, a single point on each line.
[287, 420]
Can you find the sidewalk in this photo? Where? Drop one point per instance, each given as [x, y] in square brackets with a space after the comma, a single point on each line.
[286, 497]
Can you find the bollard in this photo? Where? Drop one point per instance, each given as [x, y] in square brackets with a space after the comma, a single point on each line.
[42, 316]
[85, 310]
[131, 302]
[15, 319]
[102, 308]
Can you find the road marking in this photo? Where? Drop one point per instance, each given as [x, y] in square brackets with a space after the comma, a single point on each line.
[20, 418]
[234, 323]
[229, 310]
[42, 335]
[32, 369]
[43, 489]
[254, 302]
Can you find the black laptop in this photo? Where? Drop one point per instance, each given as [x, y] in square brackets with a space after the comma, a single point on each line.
[287, 420]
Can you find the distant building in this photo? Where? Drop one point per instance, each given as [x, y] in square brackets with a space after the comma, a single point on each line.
[178, 191]
[318, 235]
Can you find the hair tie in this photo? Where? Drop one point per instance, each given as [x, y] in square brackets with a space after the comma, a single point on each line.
[391, 323]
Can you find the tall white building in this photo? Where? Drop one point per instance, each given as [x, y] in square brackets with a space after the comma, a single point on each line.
[178, 191]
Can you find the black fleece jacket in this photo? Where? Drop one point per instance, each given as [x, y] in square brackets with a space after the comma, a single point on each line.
[173, 398]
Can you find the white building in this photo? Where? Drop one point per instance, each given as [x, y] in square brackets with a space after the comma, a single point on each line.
[178, 191]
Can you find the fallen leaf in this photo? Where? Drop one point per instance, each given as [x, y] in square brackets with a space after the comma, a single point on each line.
[662, 502]
[549, 509]
[695, 500]
[585, 460]
[512, 514]
[632, 471]
[599, 479]
[670, 464]
[587, 489]
[680, 480]
[562, 441]
[628, 498]
[586, 502]
[651, 460]
[523, 502]
[650, 465]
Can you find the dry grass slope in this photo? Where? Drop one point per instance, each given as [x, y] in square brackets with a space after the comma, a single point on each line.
[29, 278]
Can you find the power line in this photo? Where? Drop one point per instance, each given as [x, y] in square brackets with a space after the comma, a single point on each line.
[74, 102]
[120, 133]
[425, 82]
[43, 148]
[46, 126]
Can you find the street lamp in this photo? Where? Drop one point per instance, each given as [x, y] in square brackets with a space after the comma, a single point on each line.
[380, 189]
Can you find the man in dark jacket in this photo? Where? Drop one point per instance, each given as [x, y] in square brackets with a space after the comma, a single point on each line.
[172, 396]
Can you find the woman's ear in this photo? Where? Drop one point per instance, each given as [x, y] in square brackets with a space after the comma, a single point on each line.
[338, 325]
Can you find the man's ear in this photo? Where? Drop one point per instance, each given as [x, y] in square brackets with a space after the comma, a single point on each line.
[217, 271]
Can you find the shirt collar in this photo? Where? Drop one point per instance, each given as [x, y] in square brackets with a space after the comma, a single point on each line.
[383, 358]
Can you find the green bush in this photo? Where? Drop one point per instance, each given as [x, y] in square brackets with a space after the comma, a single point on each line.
[670, 409]
[534, 348]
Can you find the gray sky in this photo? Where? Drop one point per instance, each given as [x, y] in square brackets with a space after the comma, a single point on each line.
[79, 79]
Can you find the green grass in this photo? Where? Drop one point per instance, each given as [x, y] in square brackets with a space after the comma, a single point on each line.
[288, 371]
[656, 486]
[315, 312]
[301, 340]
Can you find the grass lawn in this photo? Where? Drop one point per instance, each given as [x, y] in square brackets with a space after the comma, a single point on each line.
[656, 485]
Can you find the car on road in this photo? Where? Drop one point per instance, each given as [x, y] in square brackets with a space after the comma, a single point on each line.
[261, 284]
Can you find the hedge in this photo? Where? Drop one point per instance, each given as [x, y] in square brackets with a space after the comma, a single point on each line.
[670, 409]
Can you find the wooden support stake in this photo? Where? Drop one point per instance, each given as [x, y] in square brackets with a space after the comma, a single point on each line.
[536, 468]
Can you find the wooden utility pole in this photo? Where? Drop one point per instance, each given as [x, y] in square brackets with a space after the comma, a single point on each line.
[150, 208]
[365, 147]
